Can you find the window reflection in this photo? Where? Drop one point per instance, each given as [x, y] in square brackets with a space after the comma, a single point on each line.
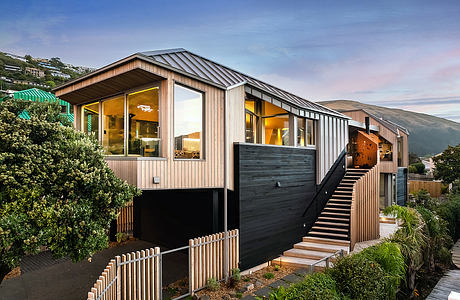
[90, 116]
[143, 113]
[113, 124]
[311, 132]
[188, 123]
[385, 150]
[300, 132]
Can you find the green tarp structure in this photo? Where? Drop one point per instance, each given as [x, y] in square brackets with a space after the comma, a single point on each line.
[41, 96]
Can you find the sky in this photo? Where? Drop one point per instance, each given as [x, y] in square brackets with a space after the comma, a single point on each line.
[403, 54]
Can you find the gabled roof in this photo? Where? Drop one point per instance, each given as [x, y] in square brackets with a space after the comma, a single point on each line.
[207, 70]
[387, 123]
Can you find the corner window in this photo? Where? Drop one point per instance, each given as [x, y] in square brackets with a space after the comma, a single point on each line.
[311, 136]
[385, 150]
[277, 130]
[144, 123]
[251, 121]
[90, 119]
[188, 123]
[113, 125]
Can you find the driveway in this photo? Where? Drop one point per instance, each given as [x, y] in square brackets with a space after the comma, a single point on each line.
[44, 278]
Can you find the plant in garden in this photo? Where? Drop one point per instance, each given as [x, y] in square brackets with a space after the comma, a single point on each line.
[277, 267]
[212, 284]
[269, 275]
[423, 198]
[359, 277]
[316, 286]
[56, 189]
[389, 257]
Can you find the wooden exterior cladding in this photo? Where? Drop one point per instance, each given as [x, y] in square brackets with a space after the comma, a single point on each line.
[364, 214]
[389, 135]
[331, 131]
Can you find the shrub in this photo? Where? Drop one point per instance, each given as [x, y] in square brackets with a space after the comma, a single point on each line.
[423, 198]
[236, 275]
[443, 256]
[269, 275]
[418, 168]
[212, 284]
[316, 286]
[389, 257]
[450, 212]
[359, 277]
[277, 267]
[239, 295]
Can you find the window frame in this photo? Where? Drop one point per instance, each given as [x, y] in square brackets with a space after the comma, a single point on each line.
[203, 123]
[125, 94]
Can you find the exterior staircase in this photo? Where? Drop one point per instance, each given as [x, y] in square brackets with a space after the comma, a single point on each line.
[330, 233]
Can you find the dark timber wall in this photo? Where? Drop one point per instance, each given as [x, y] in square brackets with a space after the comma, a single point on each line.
[170, 218]
[270, 218]
[401, 186]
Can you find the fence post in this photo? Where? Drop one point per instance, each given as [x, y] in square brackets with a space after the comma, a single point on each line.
[191, 263]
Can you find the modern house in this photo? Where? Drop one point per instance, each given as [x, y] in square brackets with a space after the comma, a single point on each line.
[35, 72]
[185, 129]
[393, 154]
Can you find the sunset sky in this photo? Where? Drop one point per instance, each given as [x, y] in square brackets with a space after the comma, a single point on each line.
[403, 54]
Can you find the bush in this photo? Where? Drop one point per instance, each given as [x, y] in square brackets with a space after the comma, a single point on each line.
[236, 275]
[389, 257]
[359, 277]
[316, 286]
[418, 168]
[423, 198]
[450, 212]
[269, 275]
[212, 284]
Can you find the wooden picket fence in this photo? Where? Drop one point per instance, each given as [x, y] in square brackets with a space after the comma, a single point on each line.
[206, 256]
[138, 275]
[432, 187]
[364, 214]
[125, 219]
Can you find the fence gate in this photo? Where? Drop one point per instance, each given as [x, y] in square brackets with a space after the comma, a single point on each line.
[139, 274]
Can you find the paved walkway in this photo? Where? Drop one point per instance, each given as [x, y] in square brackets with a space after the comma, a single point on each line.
[68, 280]
[448, 283]
[456, 254]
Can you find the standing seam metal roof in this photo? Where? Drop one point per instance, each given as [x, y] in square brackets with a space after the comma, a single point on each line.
[225, 77]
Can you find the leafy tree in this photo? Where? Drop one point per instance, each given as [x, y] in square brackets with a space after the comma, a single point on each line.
[50, 83]
[418, 168]
[56, 189]
[447, 165]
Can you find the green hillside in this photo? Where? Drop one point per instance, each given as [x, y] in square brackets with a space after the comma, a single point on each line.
[428, 134]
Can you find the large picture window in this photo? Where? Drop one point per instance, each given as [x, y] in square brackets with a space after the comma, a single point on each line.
[90, 119]
[144, 123]
[188, 123]
[277, 130]
[113, 126]
[300, 132]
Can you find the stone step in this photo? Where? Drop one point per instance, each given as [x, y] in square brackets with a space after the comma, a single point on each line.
[310, 239]
[315, 246]
[299, 262]
[302, 253]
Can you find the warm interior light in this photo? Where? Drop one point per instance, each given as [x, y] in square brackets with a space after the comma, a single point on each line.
[154, 88]
[191, 139]
[149, 139]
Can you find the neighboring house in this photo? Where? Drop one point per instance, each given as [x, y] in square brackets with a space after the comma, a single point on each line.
[12, 68]
[35, 72]
[60, 74]
[185, 129]
[41, 96]
[393, 155]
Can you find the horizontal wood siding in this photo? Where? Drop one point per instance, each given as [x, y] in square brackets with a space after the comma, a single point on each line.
[364, 217]
[270, 217]
[331, 141]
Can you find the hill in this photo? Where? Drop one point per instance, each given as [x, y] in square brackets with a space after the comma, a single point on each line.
[24, 72]
[428, 134]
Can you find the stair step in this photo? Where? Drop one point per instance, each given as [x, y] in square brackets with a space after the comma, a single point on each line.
[338, 205]
[325, 223]
[324, 213]
[310, 239]
[334, 219]
[315, 246]
[330, 229]
[340, 196]
[310, 254]
[335, 209]
[299, 262]
[339, 236]
[340, 200]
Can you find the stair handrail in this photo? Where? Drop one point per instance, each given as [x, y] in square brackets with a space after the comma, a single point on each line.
[312, 266]
[326, 179]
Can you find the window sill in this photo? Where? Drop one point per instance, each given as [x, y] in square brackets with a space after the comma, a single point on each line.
[133, 158]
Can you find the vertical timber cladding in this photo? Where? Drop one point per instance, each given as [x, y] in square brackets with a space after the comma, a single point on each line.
[270, 216]
[401, 186]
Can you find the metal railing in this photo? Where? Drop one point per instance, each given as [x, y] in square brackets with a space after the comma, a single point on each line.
[326, 259]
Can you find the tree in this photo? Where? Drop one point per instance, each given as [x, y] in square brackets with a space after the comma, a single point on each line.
[447, 165]
[418, 168]
[413, 158]
[56, 189]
